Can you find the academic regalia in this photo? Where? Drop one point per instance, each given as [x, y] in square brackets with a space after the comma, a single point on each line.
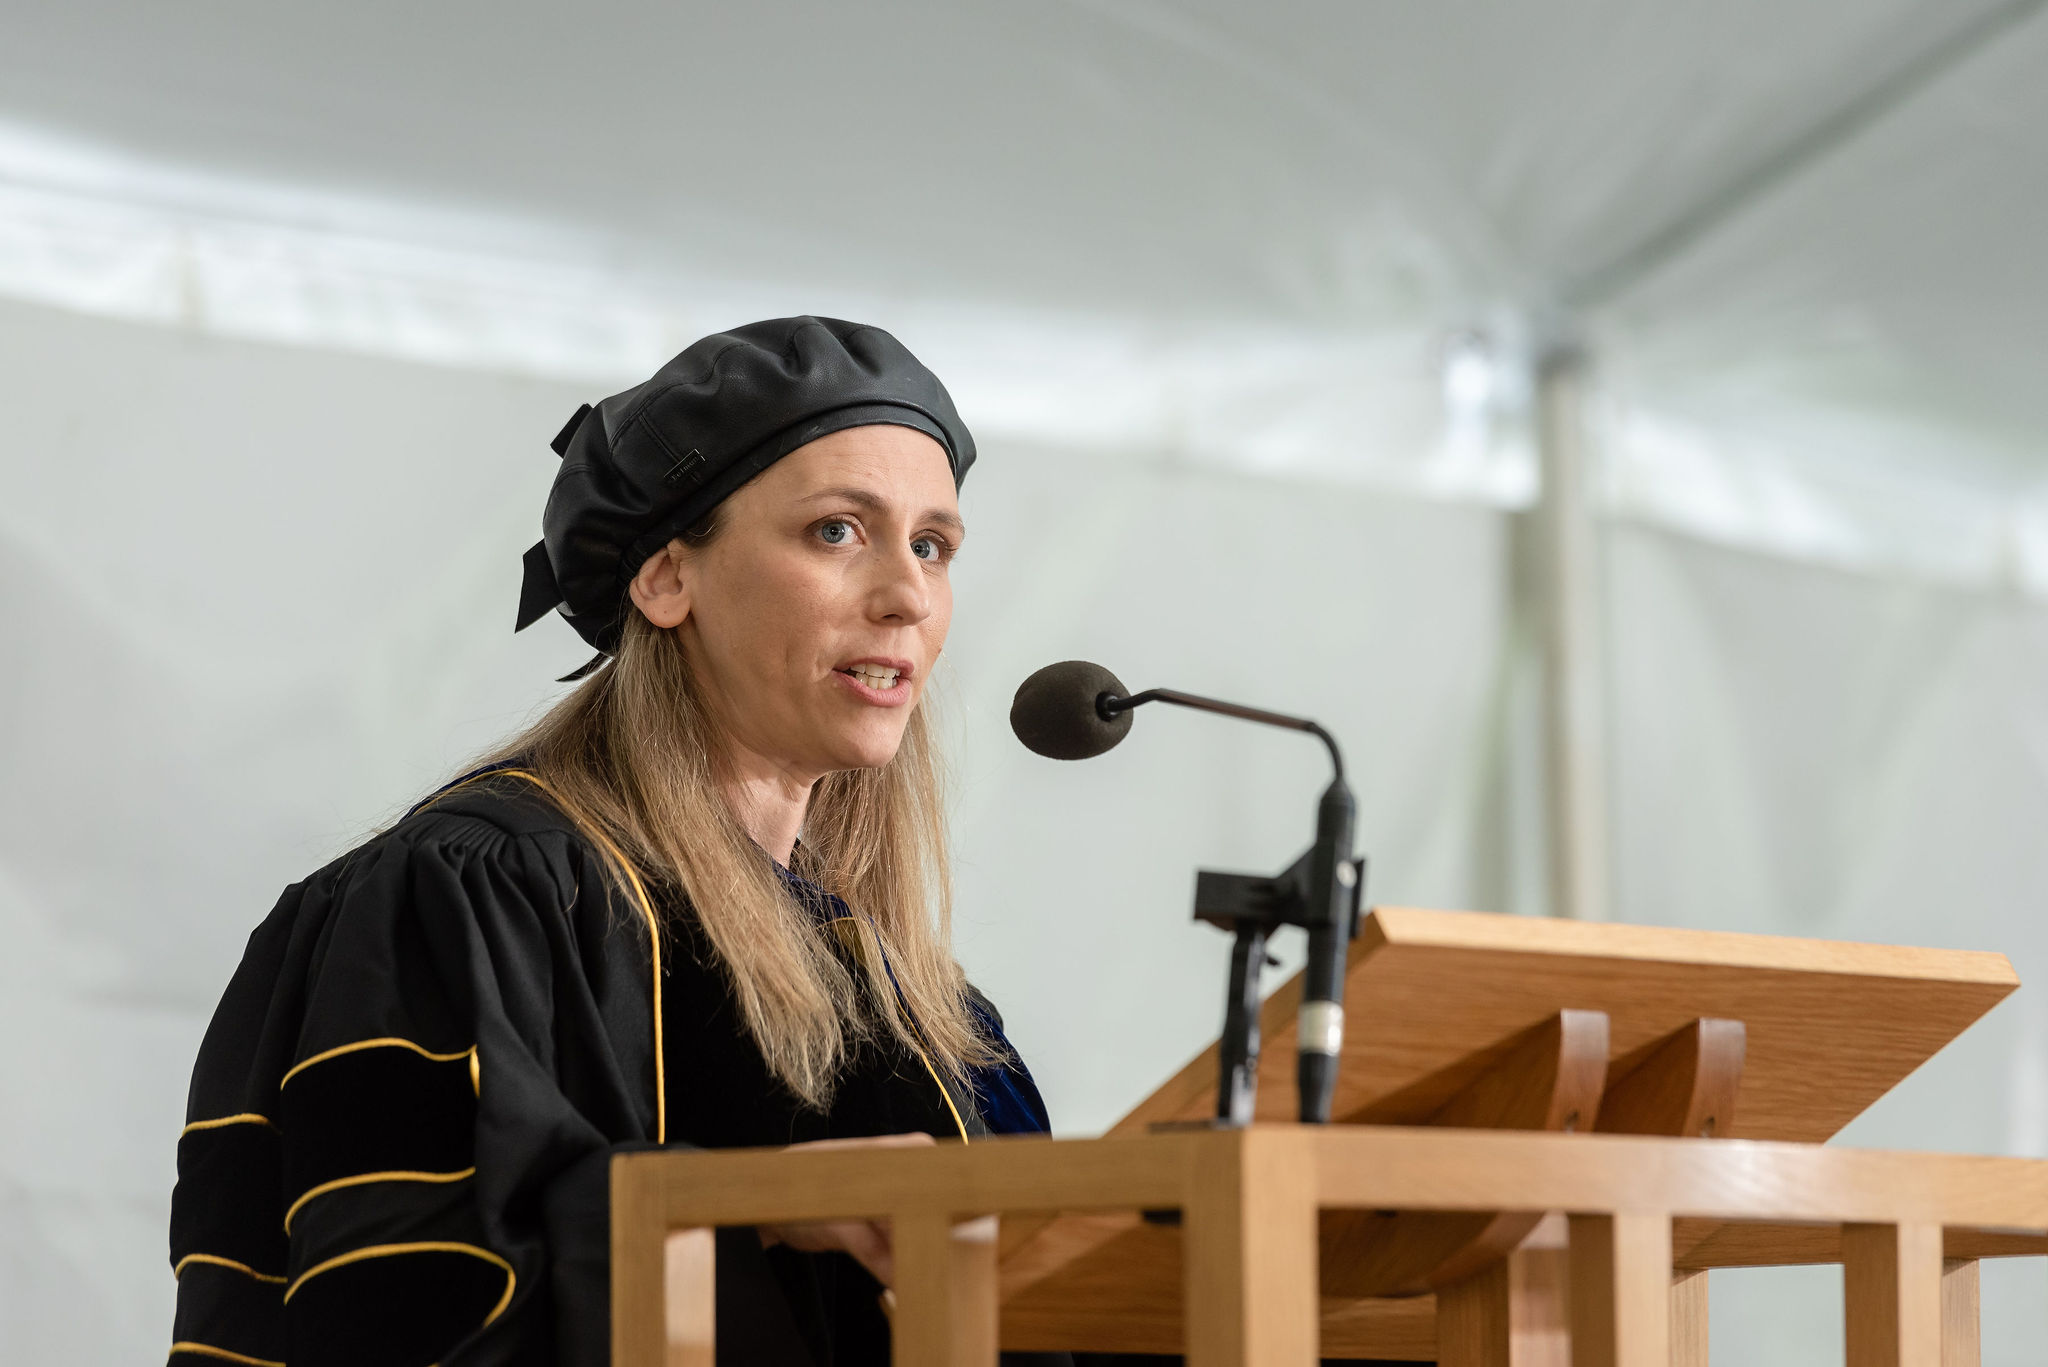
[403, 1113]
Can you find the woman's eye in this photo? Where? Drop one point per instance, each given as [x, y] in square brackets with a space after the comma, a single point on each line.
[835, 533]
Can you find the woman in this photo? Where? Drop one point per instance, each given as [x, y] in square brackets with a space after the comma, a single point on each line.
[702, 901]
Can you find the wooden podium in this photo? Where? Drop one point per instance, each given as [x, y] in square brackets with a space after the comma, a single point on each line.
[1548, 1132]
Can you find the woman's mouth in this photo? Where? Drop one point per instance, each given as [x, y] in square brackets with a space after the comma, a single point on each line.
[883, 677]
[884, 683]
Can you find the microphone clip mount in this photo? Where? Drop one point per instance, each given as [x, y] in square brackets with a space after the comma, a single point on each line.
[1251, 908]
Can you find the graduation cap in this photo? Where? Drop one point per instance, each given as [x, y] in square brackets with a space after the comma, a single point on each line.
[644, 465]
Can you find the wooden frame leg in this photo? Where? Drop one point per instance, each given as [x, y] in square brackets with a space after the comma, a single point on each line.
[1539, 1296]
[1892, 1294]
[638, 1270]
[945, 1291]
[1962, 1331]
[689, 1272]
[1689, 1319]
[1621, 1290]
[1249, 1256]
[1472, 1320]
[1511, 1314]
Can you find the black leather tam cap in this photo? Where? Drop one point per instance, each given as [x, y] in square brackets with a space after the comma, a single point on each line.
[643, 466]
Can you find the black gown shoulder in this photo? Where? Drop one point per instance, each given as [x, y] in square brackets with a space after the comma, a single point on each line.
[425, 1045]
[403, 1111]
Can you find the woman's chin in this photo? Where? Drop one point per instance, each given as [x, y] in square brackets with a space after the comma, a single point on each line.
[869, 747]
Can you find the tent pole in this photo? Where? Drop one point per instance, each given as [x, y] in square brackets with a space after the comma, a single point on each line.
[1570, 603]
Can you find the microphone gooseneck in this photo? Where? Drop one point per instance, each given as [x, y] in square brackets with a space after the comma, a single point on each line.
[1077, 710]
[1113, 705]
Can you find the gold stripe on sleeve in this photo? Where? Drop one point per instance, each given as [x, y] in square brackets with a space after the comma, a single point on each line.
[393, 1250]
[383, 1042]
[363, 1178]
[245, 1118]
[208, 1350]
[217, 1261]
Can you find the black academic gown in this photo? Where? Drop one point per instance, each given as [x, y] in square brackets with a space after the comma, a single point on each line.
[402, 1115]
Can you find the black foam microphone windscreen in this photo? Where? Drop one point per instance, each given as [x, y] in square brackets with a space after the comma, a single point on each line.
[1055, 711]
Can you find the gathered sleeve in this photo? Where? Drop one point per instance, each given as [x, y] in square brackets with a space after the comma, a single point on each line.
[385, 1163]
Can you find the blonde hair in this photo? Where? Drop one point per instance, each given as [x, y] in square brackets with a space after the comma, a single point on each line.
[632, 756]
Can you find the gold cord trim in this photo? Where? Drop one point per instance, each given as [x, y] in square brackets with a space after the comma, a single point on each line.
[208, 1350]
[945, 1094]
[216, 1260]
[363, 1178]
[245, 1118]
[393, 1250]
[382, 1042]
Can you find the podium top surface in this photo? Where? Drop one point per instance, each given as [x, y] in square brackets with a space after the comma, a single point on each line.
[1432, 997]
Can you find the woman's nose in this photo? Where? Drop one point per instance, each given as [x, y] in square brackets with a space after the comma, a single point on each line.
[902, 593]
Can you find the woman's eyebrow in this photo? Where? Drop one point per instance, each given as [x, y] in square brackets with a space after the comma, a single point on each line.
[872, 503]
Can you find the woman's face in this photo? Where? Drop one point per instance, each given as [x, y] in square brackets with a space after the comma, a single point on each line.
[813, 618]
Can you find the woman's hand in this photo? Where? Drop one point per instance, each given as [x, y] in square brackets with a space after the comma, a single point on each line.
[866, 1240]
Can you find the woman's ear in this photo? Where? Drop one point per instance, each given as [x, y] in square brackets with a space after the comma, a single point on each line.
[661, 590]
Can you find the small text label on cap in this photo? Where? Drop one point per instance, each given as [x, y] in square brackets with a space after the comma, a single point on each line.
[685, 468]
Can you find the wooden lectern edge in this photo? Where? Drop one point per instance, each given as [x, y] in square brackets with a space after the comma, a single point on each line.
[1402, 927]
[1360, 1167]
[1765, 1244]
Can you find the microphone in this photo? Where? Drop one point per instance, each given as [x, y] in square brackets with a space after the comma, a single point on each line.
[1076, 710]
[1057, 711]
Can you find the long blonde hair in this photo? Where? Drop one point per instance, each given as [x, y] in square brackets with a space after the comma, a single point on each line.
[633, 755]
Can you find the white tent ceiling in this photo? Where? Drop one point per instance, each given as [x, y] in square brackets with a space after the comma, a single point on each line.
[1803, 237]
